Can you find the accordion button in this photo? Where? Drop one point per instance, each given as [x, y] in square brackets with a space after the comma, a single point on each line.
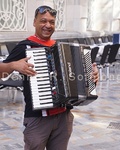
[49, 56]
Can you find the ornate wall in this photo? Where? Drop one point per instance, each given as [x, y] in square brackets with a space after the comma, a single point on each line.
[13, 16]
[80, 17]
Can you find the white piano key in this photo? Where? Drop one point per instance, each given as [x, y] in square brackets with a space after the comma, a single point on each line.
[38, 91]
[42, 75]
[36, 54]
[39, 53]
[42, 57]
[46, 96]
[44, 86]
[44, 106]
[43, 96]
[43, 68]
[47, 89]
[41, 83]
[39, 50]
[41, 78]
[45, 93]
[40, 61]
[40, 65]
[35, 92]
[34, 85]
[43, 101]
[37, 97]
[41, 71]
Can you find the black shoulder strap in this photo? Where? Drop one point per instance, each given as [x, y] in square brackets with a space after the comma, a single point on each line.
[33, 44]
[30, 43]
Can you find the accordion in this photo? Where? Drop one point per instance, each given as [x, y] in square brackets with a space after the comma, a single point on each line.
[63, 76]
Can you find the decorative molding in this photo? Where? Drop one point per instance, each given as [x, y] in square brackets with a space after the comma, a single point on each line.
[13, 15]
[60, 6]
[90, 14]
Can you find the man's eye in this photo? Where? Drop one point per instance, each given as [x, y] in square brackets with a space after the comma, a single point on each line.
[43, 21]
[52, 22]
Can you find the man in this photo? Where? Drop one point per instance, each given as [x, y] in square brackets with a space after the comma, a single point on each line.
[49, 128]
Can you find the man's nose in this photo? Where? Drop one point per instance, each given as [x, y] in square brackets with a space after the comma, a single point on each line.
[48, 24]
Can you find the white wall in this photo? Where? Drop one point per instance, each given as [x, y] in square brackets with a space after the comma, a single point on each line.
[76, 16]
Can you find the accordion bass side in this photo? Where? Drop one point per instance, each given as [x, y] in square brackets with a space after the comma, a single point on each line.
[74, 61]
[63, 76]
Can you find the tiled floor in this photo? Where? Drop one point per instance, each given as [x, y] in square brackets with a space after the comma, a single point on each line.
[96, 126]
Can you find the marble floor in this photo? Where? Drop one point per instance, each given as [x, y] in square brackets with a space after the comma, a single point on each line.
[96, 126]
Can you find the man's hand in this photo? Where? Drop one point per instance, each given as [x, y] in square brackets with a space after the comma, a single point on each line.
[95, 73]
[23, 67]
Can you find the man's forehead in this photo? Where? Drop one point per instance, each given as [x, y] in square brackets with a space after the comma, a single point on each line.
[46, 15]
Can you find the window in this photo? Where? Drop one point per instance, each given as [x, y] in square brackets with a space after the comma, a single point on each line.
[13, 15]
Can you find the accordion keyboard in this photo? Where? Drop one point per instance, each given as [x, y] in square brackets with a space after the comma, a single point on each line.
[40, 83]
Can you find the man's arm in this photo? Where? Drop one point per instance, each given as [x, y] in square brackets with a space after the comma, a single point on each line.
[21, 66]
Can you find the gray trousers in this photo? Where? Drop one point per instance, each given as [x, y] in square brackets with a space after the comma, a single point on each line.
[52, 132]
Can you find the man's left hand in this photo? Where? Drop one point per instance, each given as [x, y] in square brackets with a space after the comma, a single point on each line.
[95, 73]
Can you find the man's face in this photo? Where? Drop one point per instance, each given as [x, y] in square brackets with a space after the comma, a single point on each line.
[44, 25]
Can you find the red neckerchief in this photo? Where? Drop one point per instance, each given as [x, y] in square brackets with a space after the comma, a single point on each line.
[39, 41]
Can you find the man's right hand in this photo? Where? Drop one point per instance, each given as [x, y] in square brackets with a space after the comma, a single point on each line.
[23, 67]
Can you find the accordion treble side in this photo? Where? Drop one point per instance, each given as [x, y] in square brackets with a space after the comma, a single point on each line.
[63, 76]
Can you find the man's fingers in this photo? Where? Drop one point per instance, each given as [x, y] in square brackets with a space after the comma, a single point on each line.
[29, 72]
[95, 73]
[28, 64]
[94, 64]
[26, 59]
